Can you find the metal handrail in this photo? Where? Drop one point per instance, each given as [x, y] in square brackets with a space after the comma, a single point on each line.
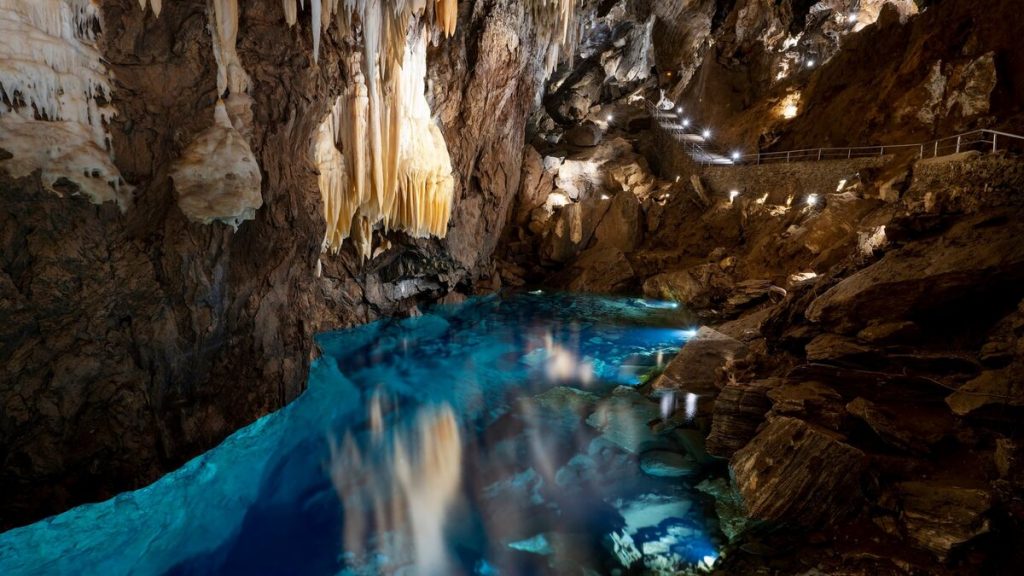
[949, 145]
[702, 155]
[931, 149]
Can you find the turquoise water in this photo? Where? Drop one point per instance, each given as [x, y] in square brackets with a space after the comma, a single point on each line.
[501, 436]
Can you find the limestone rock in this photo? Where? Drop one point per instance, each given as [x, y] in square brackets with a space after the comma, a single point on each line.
[698, 287]
[993, 388]
[939, 517]
[794, 472]
[665, 464]
[623, 419]
[810, 401]
[585, 135]
[695, 369]
[598, 270]
[835, 349]
[926, 276]
[739, 410]
[912, 428]
[620, 228]
[572, 229]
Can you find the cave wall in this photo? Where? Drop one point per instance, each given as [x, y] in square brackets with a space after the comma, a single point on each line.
[133, 341]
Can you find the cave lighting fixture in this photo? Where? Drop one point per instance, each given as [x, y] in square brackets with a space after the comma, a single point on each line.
[811, 63]
[852, 18]
[733, 194]
[706, 133]
[812, 199]
[736, 156]
[686, 122]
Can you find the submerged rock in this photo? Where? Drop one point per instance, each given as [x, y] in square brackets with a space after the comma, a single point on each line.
[798, 473]
[665, 464]
[623, 419]
[732, 515]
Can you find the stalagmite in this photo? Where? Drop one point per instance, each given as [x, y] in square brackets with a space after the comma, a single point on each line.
[55, 92]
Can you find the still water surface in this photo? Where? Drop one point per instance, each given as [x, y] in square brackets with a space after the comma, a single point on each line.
[500, 436]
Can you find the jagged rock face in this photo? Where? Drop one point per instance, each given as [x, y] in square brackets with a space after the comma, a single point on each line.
[134, 341]
[794, 472]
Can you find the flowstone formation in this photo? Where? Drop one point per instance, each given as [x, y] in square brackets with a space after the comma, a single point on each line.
[55, 93]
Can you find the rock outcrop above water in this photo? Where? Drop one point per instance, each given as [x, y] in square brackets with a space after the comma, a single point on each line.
[134, 341]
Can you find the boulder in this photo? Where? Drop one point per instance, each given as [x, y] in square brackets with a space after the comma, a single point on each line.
[623, 419]
[740, 409]
[938, 517]
[597, 270]
[586, 135]
[572, 229]
[695, 369]
[535, 185]
[798, 473]
[732, 515]
[666, 464]
[698, 287]
[835, 349]
[973, 259]
[992, 390]
[620, 228]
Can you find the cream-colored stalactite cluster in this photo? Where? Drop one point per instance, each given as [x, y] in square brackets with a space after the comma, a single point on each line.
[217, 177]
[395, 168]
[557, 24]
[394, 14]
[54, 97]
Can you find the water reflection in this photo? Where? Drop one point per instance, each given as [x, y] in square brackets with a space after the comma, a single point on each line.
[396, 496]
[504, 436]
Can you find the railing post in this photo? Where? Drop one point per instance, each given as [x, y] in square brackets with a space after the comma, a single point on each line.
[921, 157]
[958, 144]
[849, 153]
[787, 157]
[819, 154]
[936, 149]
[881, 150]
[994, 136]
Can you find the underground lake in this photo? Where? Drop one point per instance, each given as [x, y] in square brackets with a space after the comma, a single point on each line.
[509, 434]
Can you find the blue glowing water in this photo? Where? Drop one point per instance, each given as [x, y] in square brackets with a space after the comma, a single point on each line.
[495, 437]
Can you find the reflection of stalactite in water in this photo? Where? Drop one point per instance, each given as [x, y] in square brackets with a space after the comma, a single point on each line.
[406, 486]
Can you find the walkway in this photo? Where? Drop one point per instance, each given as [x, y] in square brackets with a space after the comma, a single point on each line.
[700, 149]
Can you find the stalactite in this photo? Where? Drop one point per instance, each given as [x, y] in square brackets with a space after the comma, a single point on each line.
[397, 168]
[154, 4]
[447, 12]
[54, 96]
